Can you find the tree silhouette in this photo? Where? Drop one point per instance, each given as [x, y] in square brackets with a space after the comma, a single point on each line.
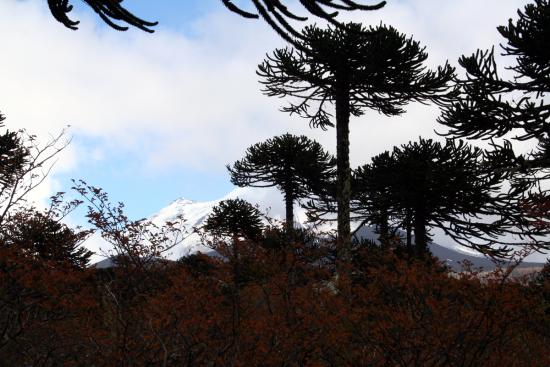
[425, 185]
[353, 68]
[110, 11]
[295, 164]
[278, 16]
[490, 106]
[24, 164]
[235, 218]
[274, 12]
[13, 156]
[372, 196]
[39, 234]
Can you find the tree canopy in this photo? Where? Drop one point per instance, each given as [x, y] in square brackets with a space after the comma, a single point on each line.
[235, 218]
[352, 69]
[426, 184]
[39, 234]
[295, 164]
[491, 107]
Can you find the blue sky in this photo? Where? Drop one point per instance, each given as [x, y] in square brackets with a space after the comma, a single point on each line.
[173, 14]
[150, 121]
[144, 192]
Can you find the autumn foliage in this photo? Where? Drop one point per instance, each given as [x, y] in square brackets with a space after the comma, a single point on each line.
[271, 307]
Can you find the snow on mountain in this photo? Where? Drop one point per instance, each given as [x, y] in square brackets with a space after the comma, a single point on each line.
[194, 213]
[270, 202]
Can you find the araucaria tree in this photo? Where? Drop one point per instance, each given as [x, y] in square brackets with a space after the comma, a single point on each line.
[294, 164]
[235, 218]
[44, 236]
[490, 106]
[425, 184]
[517, 108]
[353, 69]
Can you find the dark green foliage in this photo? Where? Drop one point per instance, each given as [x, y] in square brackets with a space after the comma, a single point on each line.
[424, 185]
[198, 264]
[110, 11]
[517, 108]
[13, 156]
[352, 69]
[492, 107]
[277, 15]
[24, 164]
[235, 218]
[46, 238]
[274, 12]
[378, 67]
[295, 164]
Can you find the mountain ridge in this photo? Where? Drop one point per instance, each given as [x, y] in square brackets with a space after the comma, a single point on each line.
[196, 212]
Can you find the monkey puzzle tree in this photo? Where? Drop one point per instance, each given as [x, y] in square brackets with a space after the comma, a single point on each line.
[235, 218]
[490, 106]
[352, 68]
[424, 185]
[372, 195]
[295, 164]
[41, 235]
[274, 12]
[24, 164]
[14, 155]
[512, 109]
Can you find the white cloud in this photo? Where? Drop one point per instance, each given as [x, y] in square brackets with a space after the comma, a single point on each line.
[195, 102]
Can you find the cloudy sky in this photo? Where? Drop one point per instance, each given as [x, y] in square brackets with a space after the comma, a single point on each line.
[154, 117]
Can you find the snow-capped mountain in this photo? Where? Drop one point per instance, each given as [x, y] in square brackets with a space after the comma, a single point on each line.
[196, 212]
[270, 202]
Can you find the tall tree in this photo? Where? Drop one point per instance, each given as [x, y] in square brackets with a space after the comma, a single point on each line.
[351, 68]
[372, 196]
[507, 110]
[294, 164]
[425, 185]
[491, 107]
[274, 12]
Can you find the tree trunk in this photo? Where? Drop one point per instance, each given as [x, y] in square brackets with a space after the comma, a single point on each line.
[289, 206]
[420, 235]
[343, 171]
[408, 221]
[383, 229]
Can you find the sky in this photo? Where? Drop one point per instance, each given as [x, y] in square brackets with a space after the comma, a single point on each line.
[155, 117]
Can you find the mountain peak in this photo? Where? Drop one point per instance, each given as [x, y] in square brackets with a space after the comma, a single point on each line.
[182, 201]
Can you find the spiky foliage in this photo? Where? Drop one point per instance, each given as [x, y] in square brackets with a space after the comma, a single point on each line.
[352, 69]
[425, 185]
[39, 234]
[279, 17]
[24, 165]
[491, 106]
[372, 196]
[235, 218]
[294, 164]
[274, 12]
[110, 11]
[14, 155]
